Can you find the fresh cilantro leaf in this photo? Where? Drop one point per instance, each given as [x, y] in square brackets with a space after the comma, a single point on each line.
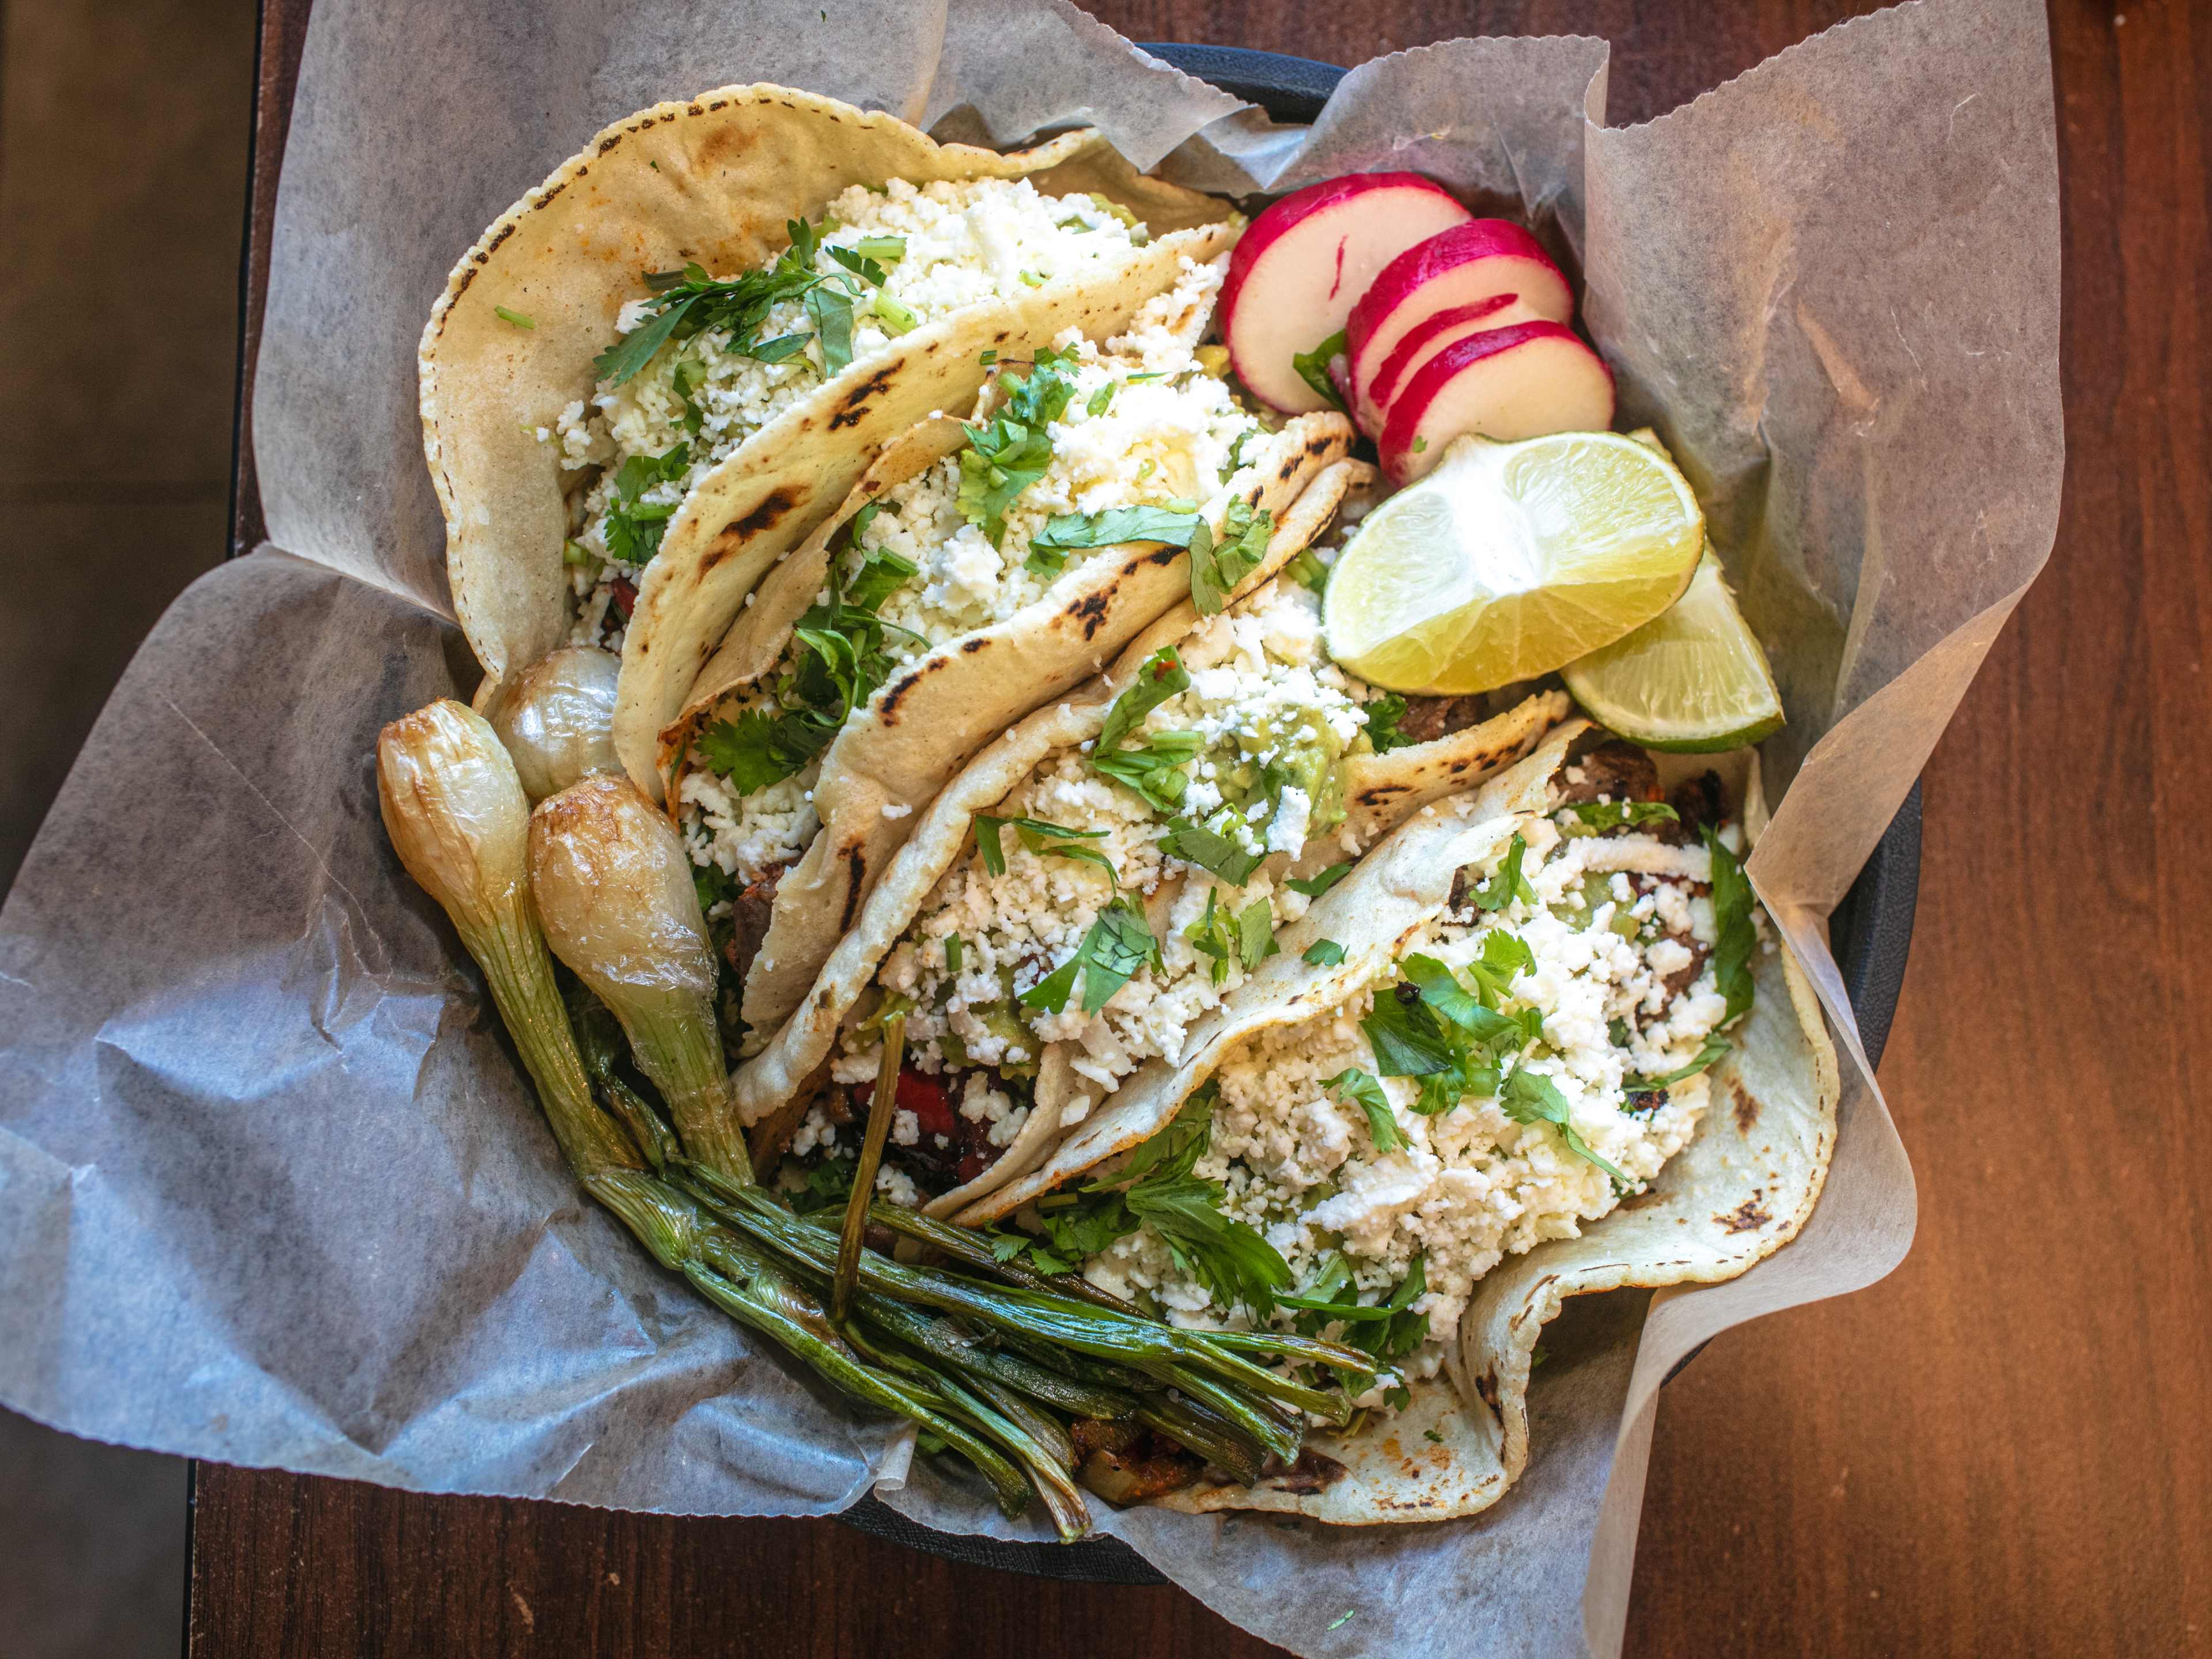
[1312, 368]
[1194, 843]
[832, 313]
[1531, 1097]
[858, 263]
[1735, 936]
[1040, 838]
[1431, 1435]
[1383, 714]
[1216, 566]
[775, 350]
[1505, 956]
[634, 529]
[1174, 1152]
[1313, 886]
[1255, 933]
[881, 573]
[1117, 946]
[1324, 953]
[1509, 884]
[759, 749]
[1153, 769]
[714, 884]
[1365, 1090]
[1612, 814]
[1441, 990]
[1006, 457]
[690, 300]
[1406, 1038]
[1716, 1049]
[1114, 526]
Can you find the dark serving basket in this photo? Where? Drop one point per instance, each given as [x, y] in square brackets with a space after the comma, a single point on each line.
[1871, 929]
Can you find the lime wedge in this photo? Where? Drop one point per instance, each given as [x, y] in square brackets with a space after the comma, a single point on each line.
[1510, 559]
[1691, 678]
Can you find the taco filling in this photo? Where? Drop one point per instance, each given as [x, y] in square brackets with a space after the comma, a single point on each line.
[1087, 444]
[1533, 1055]
[1117, 895]
[702, 362]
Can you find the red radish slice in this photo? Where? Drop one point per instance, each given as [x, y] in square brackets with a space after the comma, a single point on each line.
[1462, 267]
[1299, 267]
[1422, 341]
[1525, 381]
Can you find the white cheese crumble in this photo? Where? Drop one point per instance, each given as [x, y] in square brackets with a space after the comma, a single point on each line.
[966, 242]
[1470, 1186]
[1156, 440]
[1261, 692]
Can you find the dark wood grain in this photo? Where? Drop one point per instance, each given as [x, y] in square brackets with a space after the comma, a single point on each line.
[2000, 1450]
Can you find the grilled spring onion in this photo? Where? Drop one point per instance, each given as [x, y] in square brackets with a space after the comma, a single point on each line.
[613, 887]
[979, 1364]
[457, 817]
[556, 719]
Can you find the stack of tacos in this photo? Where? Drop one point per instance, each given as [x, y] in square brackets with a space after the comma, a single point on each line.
[968, 634]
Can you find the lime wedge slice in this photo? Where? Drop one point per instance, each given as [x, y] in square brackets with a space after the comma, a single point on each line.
[1691, 678]
[1510, 559]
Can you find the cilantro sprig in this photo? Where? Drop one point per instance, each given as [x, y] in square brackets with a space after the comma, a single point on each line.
[1152, 765]
[837, 662]
[1217, 566]
[689, 302]
[1113, 952]
[1246, 936]
[1229, 1258]
[634, 527]
[1013, 450]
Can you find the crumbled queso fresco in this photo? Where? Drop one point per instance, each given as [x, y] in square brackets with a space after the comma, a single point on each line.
[1267, 706]
[1614, 916]
[1168, 435]
[964, 241]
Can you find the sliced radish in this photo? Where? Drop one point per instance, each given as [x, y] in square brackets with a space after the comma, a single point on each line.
[1525, 381]
[1464, 265]
[1302, 263]
[1371, 404]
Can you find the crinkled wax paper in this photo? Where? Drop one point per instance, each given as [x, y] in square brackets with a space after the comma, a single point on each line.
[272, 1189]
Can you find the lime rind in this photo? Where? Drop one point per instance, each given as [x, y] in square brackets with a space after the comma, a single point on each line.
[1512, 560]
[1693, 680]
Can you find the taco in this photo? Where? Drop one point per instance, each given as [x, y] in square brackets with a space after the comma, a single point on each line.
[938, 608]
[655, 373]
[1092, 891]
[1541, 1042]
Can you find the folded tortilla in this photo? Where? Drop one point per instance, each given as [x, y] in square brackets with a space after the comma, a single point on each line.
[713, 180]
[795, 1063]
[1740, 1190]
[937, 711]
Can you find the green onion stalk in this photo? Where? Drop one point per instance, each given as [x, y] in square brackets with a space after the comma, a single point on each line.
[613, 886]
[458, 819]
[980, 1363]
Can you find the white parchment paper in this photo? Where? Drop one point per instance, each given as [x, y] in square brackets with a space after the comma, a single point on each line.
[272, 1189]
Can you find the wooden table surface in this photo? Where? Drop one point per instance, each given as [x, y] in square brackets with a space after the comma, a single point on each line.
[2001, 1449]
